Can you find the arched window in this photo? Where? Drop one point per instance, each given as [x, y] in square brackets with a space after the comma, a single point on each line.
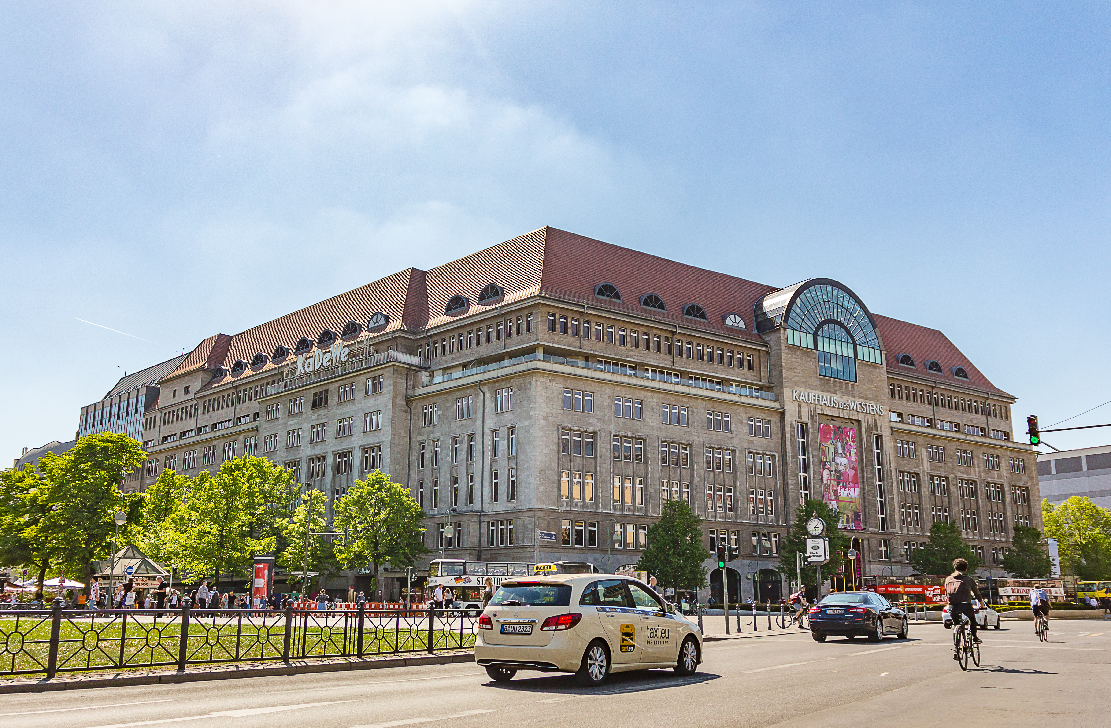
[607, 290]
[836, 352]
[238, 367]
[219, 373]
[379, 321]
[651, 300]
[933, 366]
[960, 372]
[906, 360]
[733, 321]
[303, 344]
[258, 360]
[492, 292]
[327, 338]
[280, 352]
[455, 304]
[693, 310]
[351, 329]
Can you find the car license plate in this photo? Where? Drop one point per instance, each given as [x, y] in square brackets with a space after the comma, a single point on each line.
[516, 629]
[835, 611]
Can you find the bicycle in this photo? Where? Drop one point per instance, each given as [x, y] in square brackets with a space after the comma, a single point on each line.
[963, 646]
[1041, 627]
[786, 620]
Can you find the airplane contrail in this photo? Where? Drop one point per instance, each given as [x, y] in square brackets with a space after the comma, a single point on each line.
[140, 338]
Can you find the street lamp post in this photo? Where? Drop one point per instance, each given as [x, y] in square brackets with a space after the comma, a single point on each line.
[119, 519]
[449, 531]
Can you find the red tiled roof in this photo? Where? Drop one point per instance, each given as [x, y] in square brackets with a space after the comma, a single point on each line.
[208, 354]
[574, 265]
[924, 344]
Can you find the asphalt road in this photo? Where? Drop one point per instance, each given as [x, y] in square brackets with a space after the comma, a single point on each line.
[749, 681]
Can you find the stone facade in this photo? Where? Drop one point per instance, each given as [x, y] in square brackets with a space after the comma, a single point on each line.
[409, 396]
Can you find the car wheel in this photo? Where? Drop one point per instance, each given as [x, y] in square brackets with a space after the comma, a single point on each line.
[688, 657]
[877, 633]
[818, 636]
[499, 673]
[595, 666]
[904, 629]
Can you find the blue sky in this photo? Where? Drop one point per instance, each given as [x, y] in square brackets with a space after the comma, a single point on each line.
[172, 171]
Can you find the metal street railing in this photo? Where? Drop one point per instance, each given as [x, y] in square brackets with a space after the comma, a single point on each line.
[53, 641]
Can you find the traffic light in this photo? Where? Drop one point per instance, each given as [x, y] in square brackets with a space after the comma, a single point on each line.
[1032, 429]
[721, 557]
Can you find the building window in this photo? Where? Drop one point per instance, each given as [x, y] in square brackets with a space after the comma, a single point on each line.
[372, 421]
[318, 432]
[512, 438]
[320, 399]
[881, 497]
[293, 438]
[577, 400]
[627, 408]
[463, 407]
[430, 415]
[607, 290]
[511, 486]
[717, 421]
[804, 462]
[758, 427]
[372, 458]
[343, 426]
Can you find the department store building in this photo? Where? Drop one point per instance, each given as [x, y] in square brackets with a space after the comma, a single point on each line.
[546, 396]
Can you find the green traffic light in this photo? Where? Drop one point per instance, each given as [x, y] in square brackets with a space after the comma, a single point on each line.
[721, 564]
[1035, 440]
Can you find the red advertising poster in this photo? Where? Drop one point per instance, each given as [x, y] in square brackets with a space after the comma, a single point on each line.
[262, 578]
[841, 474]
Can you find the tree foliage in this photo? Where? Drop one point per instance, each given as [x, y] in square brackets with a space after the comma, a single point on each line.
[936, 556]
[675, 554]
[1027, 558]
[303, 551]
[1083, 533]
[24, 506]
[381, 523]
[795, 543]
[225, 520]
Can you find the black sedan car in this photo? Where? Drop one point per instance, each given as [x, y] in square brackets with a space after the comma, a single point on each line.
[857, 613]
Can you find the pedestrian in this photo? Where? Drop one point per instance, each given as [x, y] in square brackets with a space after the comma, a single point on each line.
[488, 592]
[360, 598]
[129, 600]
[438, 597]
[160, 594]
[117, 600]
[94, 593]
[321, 601]
[202, 595]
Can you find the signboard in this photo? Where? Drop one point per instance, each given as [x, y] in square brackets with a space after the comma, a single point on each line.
[841, 474]
[263, 578]
[548, 536]
[1054, 558]
[834, 402]
[544, 569]
[817, 550]
[934, 593]
[1022, 593]
[129, 570]
[320, 359]
[145, 582]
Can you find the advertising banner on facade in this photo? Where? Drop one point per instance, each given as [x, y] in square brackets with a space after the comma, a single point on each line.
[841, 474]
[263, 579]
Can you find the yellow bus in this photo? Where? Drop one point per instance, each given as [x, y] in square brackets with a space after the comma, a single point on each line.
[1094, 589]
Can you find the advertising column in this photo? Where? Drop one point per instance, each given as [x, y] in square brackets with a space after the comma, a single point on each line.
[263, 581]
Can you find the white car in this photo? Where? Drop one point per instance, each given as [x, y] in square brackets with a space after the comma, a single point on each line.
[588, 624]
[985, 617]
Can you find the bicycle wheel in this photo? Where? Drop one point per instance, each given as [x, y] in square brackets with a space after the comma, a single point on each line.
[962, 649]
[974, 647]
[783, 621]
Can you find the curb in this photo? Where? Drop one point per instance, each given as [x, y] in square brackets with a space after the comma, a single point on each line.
[167, 678]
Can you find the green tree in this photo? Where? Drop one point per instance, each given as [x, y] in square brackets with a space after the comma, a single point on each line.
[228, 518]
[381, 523]
[675, 554]
[936, 555]
[24, 508]
[795, 543]
[1083, 533]
[1027, 558]
[161, 501]
[85, 497]
[303, 551]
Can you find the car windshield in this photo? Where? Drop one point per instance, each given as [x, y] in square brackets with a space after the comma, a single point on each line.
[532, 595]
[843, 599]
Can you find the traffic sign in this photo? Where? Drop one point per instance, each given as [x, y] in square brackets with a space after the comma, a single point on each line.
[548, 536]
[852, 554]
[129, 570]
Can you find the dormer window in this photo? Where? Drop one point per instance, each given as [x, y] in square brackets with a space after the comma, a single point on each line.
[607, 290]
[238, 367]
[280, 352]
[378, 322]
[455, 304]
[327, 338]
[693, 310]
[492, 292]
[960, 373]
[258, 360]
[653, 301]
[933, 366]
[351, 329]
[303, 344]
[906, 360]
[733, 321]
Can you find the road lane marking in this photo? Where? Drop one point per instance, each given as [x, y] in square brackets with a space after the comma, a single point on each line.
[1097, 634]
[878, 649]
[431, 719]
[882, 674]
[84, 707]
[777, 667]
[241, 713]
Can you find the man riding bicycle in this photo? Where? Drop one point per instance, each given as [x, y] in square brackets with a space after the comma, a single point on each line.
[798, 601]
[961, 588]
[1039, 604]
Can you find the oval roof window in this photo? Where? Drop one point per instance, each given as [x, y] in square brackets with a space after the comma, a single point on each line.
[733, 321]
[327, 338]
[280, 352]
[491, 292]
[455, 304]
[303, 344]
[933, 366]
[259, 360]
[378, 322]
[960, 372]
[351, 329]
[693, 310]
[651, 300]
[238, 367]
[906, 360]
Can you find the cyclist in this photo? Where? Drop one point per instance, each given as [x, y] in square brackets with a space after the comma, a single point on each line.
[798, 600]
[1039, 604]
[961, 588]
